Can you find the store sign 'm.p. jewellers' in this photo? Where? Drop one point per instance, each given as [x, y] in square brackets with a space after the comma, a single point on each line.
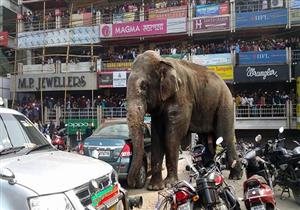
[52, 82]
[251, 72]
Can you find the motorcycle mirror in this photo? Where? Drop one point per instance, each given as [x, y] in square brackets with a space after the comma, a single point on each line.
[258, 138]
[281, 129]
[219, 140]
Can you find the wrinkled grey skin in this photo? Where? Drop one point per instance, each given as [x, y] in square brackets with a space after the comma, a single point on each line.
[181, 97]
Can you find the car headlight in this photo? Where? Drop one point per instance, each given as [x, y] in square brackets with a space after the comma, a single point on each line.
[50, 202]
[114, 177]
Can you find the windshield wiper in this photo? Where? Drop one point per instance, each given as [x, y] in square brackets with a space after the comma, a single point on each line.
[11, 150]
[38, 147]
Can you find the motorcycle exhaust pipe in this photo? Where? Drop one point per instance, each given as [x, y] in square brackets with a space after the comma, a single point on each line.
[136, 202]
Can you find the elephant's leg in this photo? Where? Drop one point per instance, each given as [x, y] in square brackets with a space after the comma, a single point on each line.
[157, 154]
[225, 128]
[177, 128]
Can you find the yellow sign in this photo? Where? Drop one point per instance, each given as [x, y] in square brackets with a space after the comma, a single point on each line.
[117, 65]
[225, 71]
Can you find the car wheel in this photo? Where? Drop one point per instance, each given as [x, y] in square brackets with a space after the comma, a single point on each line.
[141, 178]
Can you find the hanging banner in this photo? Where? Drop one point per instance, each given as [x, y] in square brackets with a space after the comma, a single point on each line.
[119, 79]
[224, 71]
[263, 73]
[82, 123]
[295, 4]
[176, 25]
[262, 57]
[212, 23]
[212, 59]
[262, 18]
[106, 79]
[168, 12]
[212, 9]
[3, 39]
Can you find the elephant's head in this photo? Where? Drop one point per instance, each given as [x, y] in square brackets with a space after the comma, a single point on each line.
[152, 81]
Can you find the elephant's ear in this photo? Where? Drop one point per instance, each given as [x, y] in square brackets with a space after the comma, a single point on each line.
[168, 80]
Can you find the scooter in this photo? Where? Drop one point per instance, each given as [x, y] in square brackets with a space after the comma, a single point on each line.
[59, 139]
[258, 188]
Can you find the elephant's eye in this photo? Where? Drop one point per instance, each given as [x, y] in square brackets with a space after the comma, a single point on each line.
[143, 86]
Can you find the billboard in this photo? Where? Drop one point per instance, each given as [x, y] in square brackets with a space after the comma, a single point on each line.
[262, 18]
[263, 73]
[168, 12]
[295, 16]
[212, 9]
[211, 23]
[112, 79]
[212, 59]
[224, 71]
[262, 57]
[74, 124]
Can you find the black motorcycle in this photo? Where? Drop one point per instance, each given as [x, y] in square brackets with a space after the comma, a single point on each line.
[287, 164]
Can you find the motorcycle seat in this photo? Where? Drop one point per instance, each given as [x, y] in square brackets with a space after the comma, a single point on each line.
[255, 180]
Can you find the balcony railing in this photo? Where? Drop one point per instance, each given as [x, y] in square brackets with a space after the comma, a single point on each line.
[257, 111]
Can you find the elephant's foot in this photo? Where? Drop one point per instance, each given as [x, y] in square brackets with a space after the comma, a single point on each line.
[170, 181]
[155, 184]
[236, 172]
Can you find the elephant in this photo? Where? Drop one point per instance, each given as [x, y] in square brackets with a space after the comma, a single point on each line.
[182, 97]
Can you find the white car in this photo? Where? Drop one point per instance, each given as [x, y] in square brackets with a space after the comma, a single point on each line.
[34, 175]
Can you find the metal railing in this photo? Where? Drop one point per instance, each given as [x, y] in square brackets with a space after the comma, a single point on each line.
[114, 112]
[79, 113]
[257, 111]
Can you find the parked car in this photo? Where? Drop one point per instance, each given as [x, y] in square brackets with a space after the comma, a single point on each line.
[111, 143]
[35, 175]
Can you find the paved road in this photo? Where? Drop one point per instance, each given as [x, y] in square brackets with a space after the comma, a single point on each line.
[150, 197]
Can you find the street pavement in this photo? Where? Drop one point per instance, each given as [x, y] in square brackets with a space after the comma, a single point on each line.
[150, 197]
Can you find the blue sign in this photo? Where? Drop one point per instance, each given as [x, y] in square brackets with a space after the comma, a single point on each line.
[206, 10]
[262, 57]
[295, 4]
[262, 18]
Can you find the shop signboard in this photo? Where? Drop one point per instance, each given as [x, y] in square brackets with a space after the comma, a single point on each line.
[54, 82]
[295, 16]
[212, 59]
[211, 23]
[112, 79]
[271, 17]
[74, 124]
[212, 9]
[3, 39]
[262, 73]
[262, 57]
[168, 12]
[224, 71]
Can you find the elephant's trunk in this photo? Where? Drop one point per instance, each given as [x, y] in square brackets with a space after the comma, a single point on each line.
[135, 118]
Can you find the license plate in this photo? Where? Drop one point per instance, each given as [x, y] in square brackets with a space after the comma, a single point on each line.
[185, 206]
[260, 207]
[104, 153]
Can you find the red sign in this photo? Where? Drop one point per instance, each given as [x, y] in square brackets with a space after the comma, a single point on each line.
[3, 39]
[168, 12]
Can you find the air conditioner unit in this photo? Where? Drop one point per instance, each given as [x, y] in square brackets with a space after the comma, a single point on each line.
[276, 3]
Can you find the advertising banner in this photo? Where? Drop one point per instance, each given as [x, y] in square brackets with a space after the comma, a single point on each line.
[176, 25]
[107, 79]
[73, 124]
[276, 3]
[119, 79]
[224, 71]
[55, 82]
[212, 59]
[211, 23]
[264, 73]
[3, 39]
[169, 12]
[262, 18]
[212, 9]
[58, 37]
[124, 17]
[295, 16]
[262, 57]
[295, 4]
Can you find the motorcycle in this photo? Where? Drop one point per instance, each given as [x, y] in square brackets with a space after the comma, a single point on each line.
[258, 188]
[60, 139]
[211, 192]
[287, 164]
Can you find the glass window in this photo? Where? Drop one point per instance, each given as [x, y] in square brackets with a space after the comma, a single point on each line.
[21, 131]
[114, 130]
[4, 139]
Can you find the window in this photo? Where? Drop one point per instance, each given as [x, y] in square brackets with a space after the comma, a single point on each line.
[4, 139]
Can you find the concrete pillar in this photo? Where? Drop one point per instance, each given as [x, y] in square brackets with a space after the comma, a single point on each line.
[28, 57]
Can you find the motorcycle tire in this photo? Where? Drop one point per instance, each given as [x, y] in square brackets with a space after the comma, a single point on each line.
[296, 193]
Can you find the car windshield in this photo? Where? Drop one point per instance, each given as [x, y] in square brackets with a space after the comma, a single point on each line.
[114, 130]
[18, 131]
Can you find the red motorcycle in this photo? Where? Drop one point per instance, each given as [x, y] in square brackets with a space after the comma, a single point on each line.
[59, 140]
[258, 188]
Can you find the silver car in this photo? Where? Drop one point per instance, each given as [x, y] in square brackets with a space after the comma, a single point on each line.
[34, 175]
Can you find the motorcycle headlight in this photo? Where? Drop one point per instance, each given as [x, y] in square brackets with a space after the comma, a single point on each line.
[50, 202]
